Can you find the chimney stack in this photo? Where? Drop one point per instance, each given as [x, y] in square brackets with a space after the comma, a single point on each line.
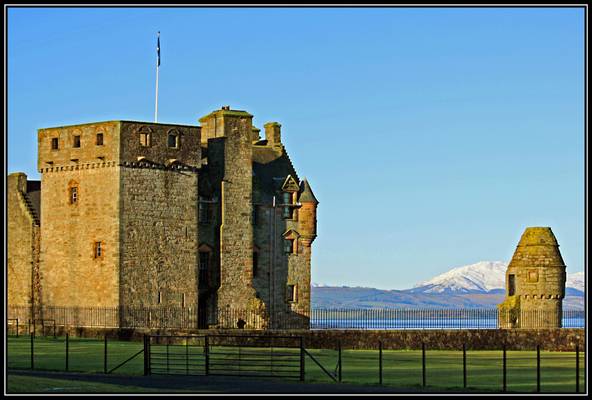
[273, 133]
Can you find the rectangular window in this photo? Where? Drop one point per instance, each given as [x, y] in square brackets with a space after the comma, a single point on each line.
[73, 195]
[511, 285]
[99, 139]
[145, 139]
[76, 141]
[292, 294]
[54, 143]
[172, 141]
[288, 246]
[98, 250]
[287, 208]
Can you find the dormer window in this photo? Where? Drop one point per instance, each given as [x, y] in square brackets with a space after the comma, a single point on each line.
[76, 142]
[145, 137]
[289, 246]
[287, 200]
[291, 241]
[54, 143]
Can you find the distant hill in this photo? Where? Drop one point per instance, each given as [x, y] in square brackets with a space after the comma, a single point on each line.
[479, 285]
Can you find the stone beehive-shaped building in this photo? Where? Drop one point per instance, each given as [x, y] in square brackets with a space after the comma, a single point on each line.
[212, 219]
[535, 283]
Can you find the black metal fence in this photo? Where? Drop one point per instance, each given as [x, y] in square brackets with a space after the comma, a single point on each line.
[19, 318]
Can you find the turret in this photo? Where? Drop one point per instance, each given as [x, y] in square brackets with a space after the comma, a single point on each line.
[535, 282]
[307, 214]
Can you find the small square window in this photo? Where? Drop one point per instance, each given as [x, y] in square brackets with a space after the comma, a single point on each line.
[99, 139]
[533, 276]
[76, 142]
[98, 250]
[54, 143]
[173, 141]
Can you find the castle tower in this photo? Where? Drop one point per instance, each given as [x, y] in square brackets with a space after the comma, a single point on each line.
[535, 283]
[228, 135]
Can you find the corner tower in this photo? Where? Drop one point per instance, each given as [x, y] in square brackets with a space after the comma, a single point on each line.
[535, 283]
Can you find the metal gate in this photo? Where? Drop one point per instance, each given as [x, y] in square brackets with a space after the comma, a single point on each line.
[232, 355]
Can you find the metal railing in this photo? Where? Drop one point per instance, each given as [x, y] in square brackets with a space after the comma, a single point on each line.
[171, 317]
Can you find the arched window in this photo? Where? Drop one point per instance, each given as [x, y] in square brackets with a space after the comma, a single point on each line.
[173, 139]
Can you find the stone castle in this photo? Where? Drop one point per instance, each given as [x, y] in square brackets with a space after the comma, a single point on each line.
[535, 283]
[150, 214]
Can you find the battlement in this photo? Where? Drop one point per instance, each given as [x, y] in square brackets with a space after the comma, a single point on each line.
[118, 142]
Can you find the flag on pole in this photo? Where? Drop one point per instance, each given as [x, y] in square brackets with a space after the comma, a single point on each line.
[158, 48]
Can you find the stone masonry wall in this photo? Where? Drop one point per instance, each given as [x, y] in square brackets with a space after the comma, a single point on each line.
[20, 242]
[159, 236]
[236, 231]
[70, 273]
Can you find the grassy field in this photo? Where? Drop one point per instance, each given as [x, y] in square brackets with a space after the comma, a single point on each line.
[401, 368]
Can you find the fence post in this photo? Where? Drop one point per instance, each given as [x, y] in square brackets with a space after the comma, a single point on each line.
[17, 328]
[380, 362]
[423, 365]
[577, 368]
[105, 358]
[67, 350]
[167, 353]
[339, 359]
[54, 329]
[32, 351]
[187, 355]
[207, 351]
[538, 349]
[145, 357]
[465, 365]
[504, 367]
[301, 359]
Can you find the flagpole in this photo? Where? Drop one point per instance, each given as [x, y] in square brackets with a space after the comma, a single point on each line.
[157, 68]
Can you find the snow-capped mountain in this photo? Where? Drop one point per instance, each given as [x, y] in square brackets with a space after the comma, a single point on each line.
[483, 276]
[575, 280]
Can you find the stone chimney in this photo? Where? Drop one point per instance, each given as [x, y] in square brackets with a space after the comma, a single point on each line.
[273, 133]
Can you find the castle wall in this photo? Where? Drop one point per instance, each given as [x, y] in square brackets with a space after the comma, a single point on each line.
[159, 237]
[70, 273]
[21, 242]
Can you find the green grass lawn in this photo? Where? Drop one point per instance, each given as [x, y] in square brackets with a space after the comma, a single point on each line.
[401, 368]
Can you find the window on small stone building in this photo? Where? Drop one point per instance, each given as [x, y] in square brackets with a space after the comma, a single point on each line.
[76, 142]
[99, 139]
[511, 285]
[54, 143]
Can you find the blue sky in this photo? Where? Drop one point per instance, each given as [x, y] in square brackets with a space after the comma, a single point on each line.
[432, 137]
